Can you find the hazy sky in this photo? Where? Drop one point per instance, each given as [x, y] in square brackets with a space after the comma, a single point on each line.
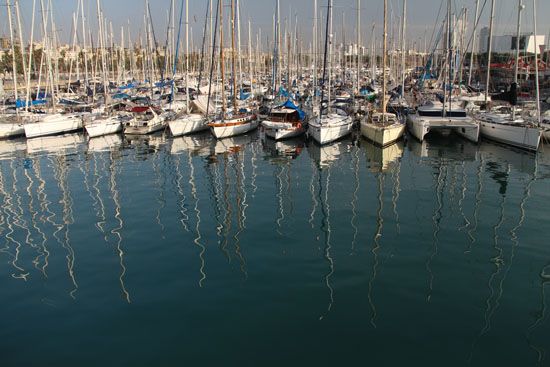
[421, 15]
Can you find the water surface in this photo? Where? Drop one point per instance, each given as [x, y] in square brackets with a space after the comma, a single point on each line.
[191, 251]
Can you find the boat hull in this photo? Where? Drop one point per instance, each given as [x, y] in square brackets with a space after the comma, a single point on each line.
[420, 127]
[524, 137]
[102, 128]
[53, 126]
[187, 124]
[11, 129]
[325, 133]
[233, 127]
[382, 135]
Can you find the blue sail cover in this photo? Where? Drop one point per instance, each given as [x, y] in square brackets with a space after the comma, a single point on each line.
[21, 103]
[128, 86]
[121, 96]
[244, 96]
[292, 106]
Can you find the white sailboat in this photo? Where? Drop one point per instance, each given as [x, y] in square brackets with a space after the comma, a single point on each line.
[383, 128]
[187, 122]
[506, 127]
[55, 124]
[330, 125]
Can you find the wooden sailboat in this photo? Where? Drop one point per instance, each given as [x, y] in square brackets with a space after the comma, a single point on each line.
[383, 128]
[236, 122]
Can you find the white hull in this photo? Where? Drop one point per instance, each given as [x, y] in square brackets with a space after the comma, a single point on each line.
[420, 126]
[230, 129]
[382, 135]
[330, 128]
[144, 127]
[280, 134]
[103, 127]
[11, 129]
[525, 137]
[53, 125]
[187, 124]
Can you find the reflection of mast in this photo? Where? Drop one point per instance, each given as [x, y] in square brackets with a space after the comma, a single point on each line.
[325, 210]
[493, 300]
[396, 189]
[181, 202]
[376, 241]
[541, 315]
[10, 236]
[45, 208]
[34, 214]
[227, 209]
[198, 216]
[241, 207]
[279, 195]
[60, 173]
[116, 231]
[436, 219]
[354, 196]
[159, 182]
[477, 203]
[313, 196]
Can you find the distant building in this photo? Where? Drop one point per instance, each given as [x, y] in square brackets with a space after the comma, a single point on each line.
[4, 43]
[507, 43]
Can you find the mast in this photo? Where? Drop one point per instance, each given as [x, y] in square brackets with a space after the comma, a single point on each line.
[315, 50]
[222, 69]
[30, 58]
[537, 87]
[385, 37]
[186, 55]
[403, 52]
[490, 47]
[516, 66]
[14, 64]
[358, 44]
[21, 43]
[327, 35]
[474, 36]
[233, 67]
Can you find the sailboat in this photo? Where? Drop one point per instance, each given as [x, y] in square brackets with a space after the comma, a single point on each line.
[334, 124]
[443, 117]
[504, 126]
[187, 122]
[383, 128]
[237, 121]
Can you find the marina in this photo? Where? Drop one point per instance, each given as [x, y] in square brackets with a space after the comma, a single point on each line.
[242, 183]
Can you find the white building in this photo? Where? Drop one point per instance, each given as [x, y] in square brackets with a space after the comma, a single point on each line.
[507, 43]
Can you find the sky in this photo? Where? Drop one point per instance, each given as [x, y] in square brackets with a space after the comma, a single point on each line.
[421, 17]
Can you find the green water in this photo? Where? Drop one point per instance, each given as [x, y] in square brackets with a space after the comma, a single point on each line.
[172, 252]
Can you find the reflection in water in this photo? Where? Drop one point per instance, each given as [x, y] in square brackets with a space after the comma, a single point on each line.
[62, 194]
[376, 245]
[197, 240]
[116, 231]
[541, 315]
[441, 179]
[326, 228]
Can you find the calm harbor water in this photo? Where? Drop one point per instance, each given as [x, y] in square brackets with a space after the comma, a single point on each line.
[188, 251]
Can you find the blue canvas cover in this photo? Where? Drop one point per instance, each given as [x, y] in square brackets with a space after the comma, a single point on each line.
[292, 106]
